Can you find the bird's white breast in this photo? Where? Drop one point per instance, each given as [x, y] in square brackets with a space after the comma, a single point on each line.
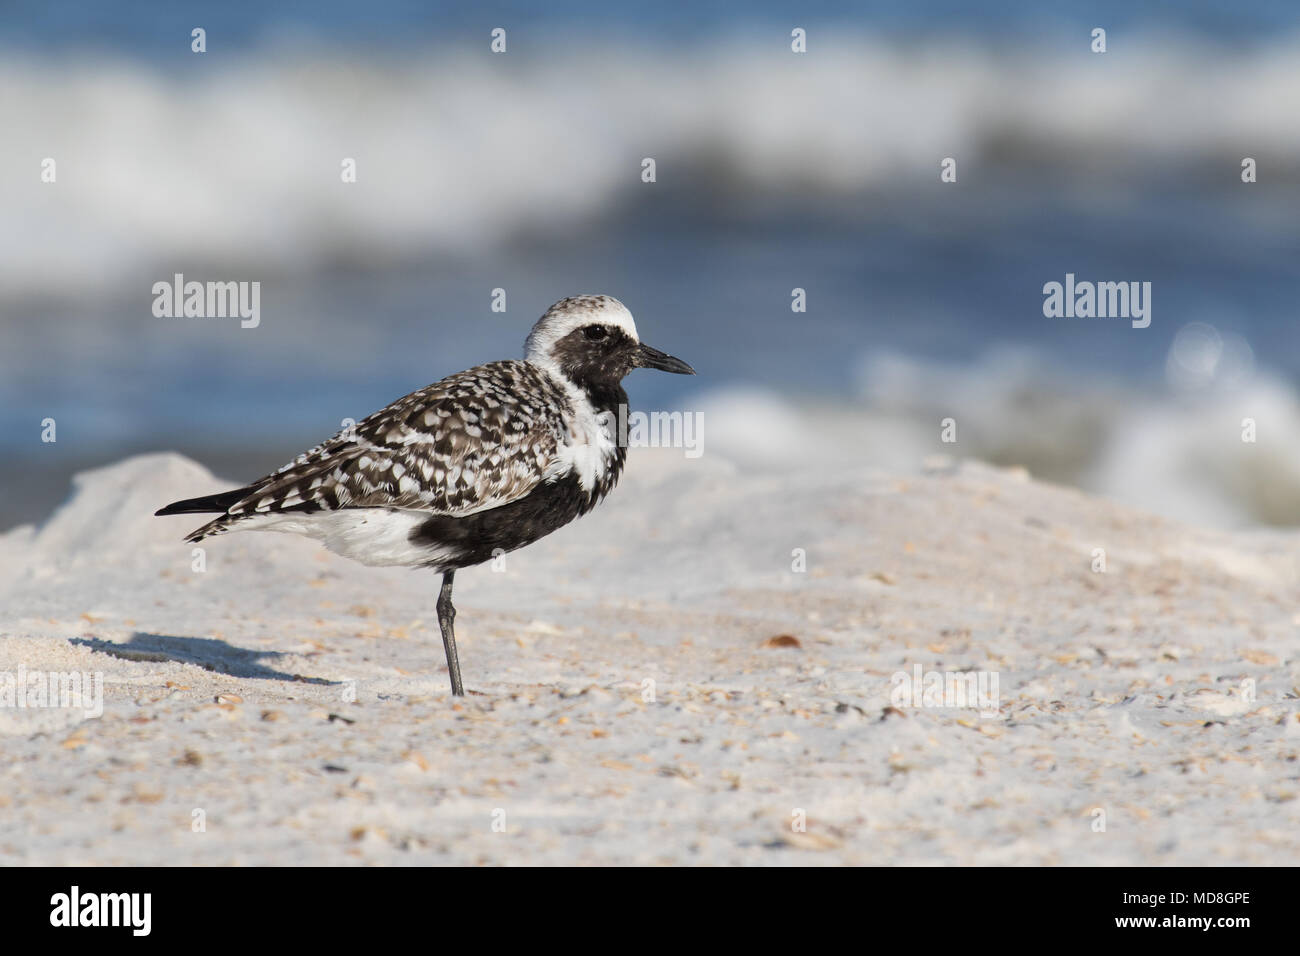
[590, 444]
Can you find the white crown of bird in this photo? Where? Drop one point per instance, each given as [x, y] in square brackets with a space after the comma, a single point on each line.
[571, 314]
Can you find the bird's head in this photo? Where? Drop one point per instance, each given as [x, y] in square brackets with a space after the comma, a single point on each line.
[591, 339]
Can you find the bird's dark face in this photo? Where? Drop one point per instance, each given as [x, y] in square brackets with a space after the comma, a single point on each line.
[592, 341]
[599, 353]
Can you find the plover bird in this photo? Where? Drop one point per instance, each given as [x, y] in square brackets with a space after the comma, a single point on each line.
[479, 464]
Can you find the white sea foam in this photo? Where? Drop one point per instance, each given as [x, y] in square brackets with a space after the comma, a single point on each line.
[239, 162]
[1173, 451]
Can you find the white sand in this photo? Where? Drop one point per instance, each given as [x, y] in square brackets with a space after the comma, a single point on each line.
[1126, 691]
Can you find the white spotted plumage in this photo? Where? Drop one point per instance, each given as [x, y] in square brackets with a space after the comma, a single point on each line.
[472, 442]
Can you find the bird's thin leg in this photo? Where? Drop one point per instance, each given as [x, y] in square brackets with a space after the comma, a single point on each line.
[446, 615]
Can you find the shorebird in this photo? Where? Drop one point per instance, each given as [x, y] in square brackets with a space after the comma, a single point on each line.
[479, 464]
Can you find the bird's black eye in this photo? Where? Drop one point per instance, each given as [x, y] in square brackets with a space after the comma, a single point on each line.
[595, 333]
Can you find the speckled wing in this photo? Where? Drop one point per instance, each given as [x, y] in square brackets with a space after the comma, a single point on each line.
[476, 440]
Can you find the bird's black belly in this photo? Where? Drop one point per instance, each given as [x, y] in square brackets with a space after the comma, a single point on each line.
[476, 538]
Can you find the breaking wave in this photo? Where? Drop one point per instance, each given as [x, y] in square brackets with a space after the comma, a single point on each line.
[1221, 451]
[239, 162]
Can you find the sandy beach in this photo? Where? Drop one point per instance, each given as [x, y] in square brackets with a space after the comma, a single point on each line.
[658, 684]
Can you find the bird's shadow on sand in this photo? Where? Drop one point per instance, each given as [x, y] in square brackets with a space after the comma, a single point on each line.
[205, 652]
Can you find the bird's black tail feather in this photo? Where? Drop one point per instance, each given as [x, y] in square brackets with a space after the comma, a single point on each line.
[211, 504]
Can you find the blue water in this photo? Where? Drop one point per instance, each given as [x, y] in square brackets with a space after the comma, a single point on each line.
[362, 303]
[150, 28]
[946, 281]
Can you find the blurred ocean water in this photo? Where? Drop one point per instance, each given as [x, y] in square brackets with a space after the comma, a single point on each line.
[775, 171]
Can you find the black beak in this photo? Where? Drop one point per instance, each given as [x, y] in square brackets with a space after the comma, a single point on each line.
[653, 358]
